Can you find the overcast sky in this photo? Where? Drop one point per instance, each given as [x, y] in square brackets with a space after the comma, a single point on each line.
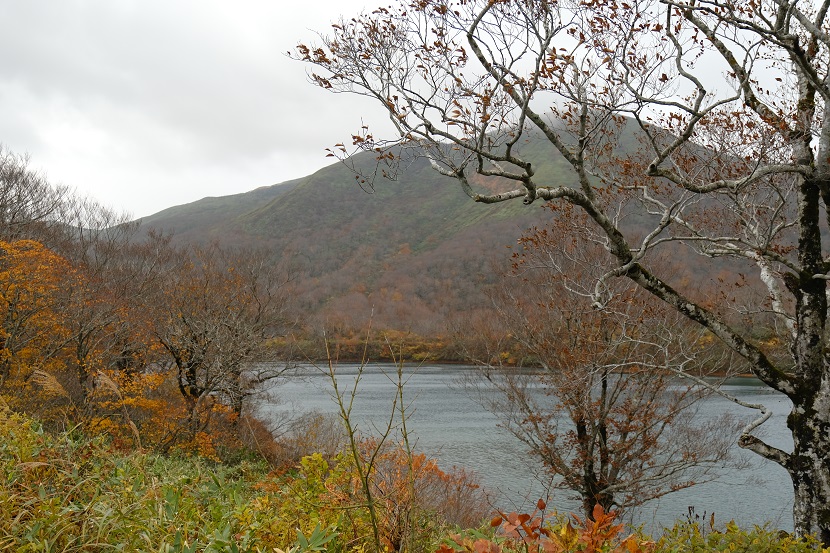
[146, 104]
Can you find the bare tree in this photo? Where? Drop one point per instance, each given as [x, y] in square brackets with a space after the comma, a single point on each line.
[602, 407]
[29, 204]
[706, 119]
[214, 314]
[108, 283]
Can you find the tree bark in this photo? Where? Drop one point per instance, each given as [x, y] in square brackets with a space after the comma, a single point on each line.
[809, 468]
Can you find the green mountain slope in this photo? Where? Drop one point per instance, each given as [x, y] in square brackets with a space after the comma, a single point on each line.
[212, 218]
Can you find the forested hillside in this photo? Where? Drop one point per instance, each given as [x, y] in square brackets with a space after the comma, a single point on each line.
[414, 251]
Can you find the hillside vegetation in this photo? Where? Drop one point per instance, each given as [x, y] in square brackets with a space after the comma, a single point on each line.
[415, 250]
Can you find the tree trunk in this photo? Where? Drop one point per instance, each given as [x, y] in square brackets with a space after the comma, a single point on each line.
[809, 421]
[604, 500]
[809, 464]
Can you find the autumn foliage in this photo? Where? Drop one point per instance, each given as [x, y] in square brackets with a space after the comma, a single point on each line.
[110, 340]
[537, 533]
[32, 279]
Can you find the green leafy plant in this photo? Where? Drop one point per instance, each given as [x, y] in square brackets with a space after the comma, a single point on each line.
[317, 540]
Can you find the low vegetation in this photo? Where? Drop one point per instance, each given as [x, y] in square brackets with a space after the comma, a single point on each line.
[70, 492]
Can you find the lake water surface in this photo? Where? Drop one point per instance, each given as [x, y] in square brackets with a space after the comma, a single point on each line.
[449, 424]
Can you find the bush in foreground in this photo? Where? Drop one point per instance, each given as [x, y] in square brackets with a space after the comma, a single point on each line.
[69, 493]
[552, 533]
[72, 493]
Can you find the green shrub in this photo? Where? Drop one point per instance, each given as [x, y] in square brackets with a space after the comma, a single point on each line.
[694, 537]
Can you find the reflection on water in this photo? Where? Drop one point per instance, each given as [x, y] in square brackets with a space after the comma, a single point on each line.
[450, 425]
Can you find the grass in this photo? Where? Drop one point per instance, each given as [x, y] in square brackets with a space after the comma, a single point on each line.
[69, 492]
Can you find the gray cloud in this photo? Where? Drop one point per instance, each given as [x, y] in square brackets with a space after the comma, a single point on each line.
[146, 104]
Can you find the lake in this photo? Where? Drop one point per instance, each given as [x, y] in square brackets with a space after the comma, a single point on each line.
[449, 424]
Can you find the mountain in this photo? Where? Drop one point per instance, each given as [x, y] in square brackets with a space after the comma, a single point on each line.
[414, 252]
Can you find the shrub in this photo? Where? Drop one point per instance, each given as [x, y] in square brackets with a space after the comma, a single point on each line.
[72, 493]
[414, 499]
[68, 492]
[692, 536]
[311, 432]
[543, 532]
